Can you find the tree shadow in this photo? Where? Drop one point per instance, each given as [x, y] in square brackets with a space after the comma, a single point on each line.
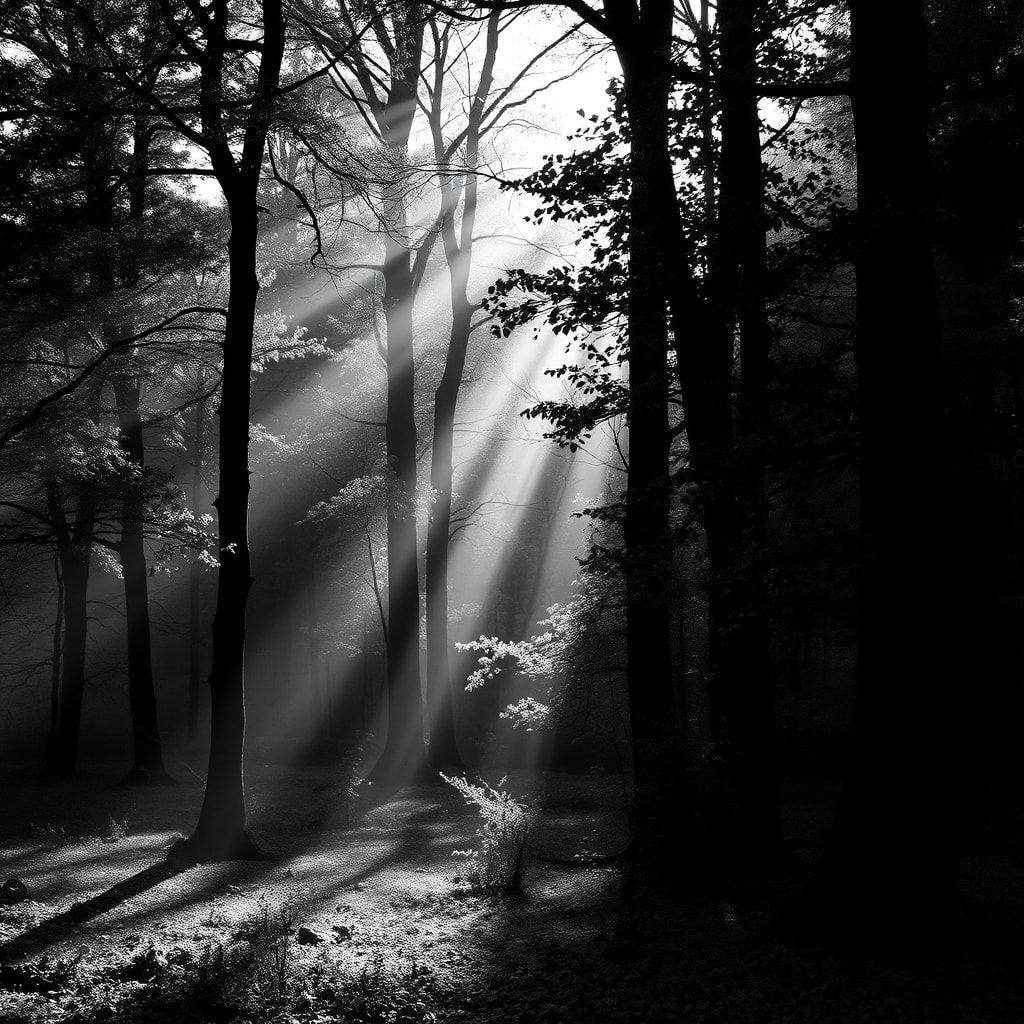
[54, 929]
[413, 835]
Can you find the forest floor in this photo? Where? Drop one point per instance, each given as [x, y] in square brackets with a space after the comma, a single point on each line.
[107, 933]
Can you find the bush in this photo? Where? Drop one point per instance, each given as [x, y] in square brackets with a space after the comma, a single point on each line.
[504, 837]
[249, 978]
[376, 996]
[268, 932]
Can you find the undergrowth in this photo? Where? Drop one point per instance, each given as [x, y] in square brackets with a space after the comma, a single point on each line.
[253, 978]
[504, 837]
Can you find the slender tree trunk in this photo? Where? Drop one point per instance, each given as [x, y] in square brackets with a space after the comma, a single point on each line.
[703, 338]
[148, 765]
[742, 697]
[55, 664]
[458, 249]
[659, 767]
[195, 576]
[889, 876]
[403, 752]
[220, 833]
[75, 556]
[444, 750]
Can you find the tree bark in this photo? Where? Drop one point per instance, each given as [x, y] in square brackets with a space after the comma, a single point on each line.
[220, 833]
[659, 767]
[195, 575]
[889, 876]
[742, 699]
[444, 749]
[55, 664]
[148, 764]
[75, 555]
[404, 752]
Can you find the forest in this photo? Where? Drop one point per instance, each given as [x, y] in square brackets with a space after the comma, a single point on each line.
[511, 511]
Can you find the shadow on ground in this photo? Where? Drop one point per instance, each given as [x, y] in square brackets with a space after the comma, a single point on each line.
[392, 928]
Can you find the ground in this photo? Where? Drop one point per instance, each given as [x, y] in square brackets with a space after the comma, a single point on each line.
[110, 933]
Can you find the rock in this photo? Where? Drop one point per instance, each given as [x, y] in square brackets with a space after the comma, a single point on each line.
[342, 933]
[307, 937]
[14, 890]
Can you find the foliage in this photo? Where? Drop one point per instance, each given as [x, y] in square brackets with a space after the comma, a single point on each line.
[376, 996]
[504, 837]
[573, 641]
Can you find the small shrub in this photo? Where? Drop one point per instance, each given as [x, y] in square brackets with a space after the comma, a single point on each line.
[246, 978]
[268, 932]
[505, 835]
[376, 996]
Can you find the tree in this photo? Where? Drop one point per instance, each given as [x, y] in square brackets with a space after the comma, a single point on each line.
[741, 682]
[459, 164]
[134, 243]
[385, 86]
[457, 240]
[889, 875]
[234, 137]
[709, 232]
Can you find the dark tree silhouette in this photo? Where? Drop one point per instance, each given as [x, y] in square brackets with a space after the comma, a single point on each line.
[220, 832]
[889, 876]
[74, 536]
[741, 682]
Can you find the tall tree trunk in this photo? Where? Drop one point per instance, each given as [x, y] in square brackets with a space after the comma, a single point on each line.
[741, 683]
[148, 764]
[195, 574]
[75, 555]
[55, 664]
[403, 752]
[444, 750]
[220, 833]
[889, 876]
[458, 250]
[659, 767]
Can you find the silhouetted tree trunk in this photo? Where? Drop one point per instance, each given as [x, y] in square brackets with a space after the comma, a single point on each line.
[889, 876]
[148, 765]
[221, 833]
[221, 830]
[195, 573]
[659, 767]
[55, 664]
[444, 750]
[741, 684]
[404, 752]
[74, 550]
